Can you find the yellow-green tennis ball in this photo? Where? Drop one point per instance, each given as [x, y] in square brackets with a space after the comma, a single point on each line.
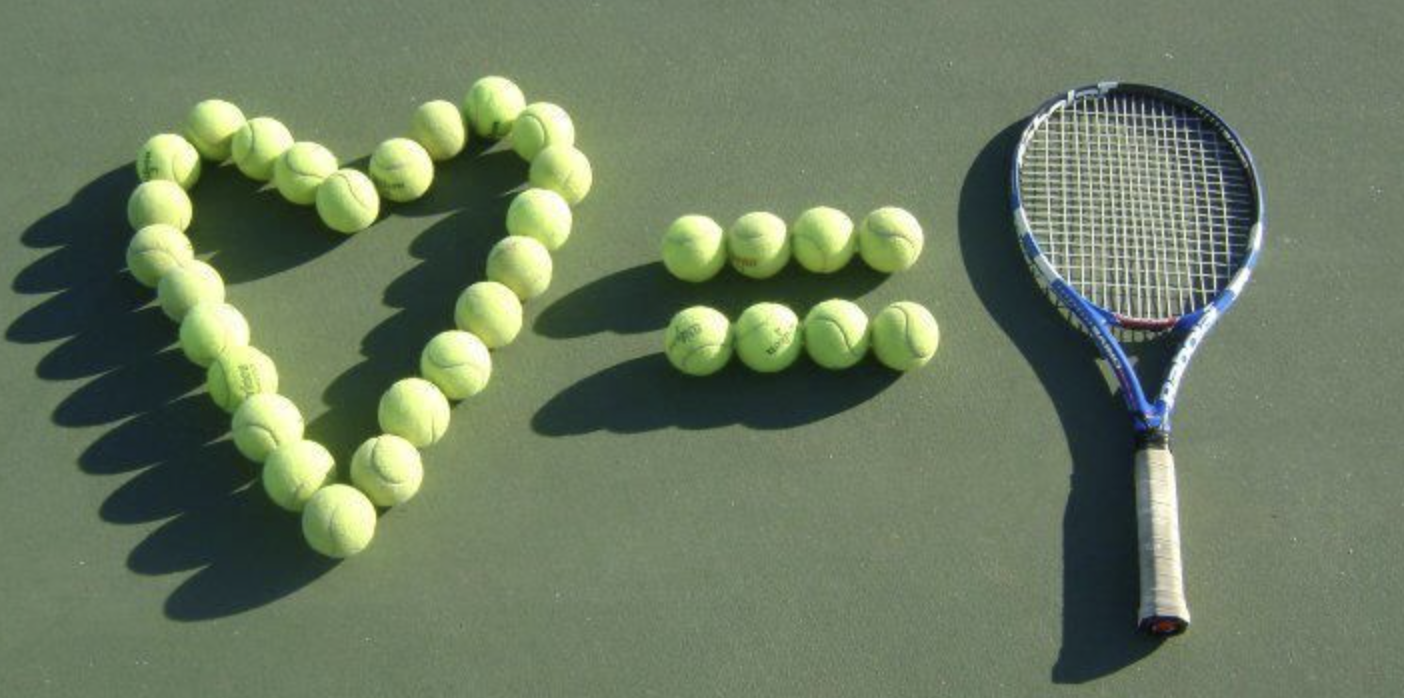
[338, 521]
[211, 329]
[458, 363]
[155, 250]
[401, 170]
[265, 422]
[758, 245]
[541, 125]
[890, 240]
[169, 157]
[492, 106]
[211, 126]
[300, 170]
[905, 336]
[836, 334]
[258, 144]
[522, 264]
[698, 341]
[438, 126]
[295, 471]
[187, 286]
[387, 469]
[490, 311]
[415, 410]
[540, 214]
[238, 374]
[694, 248]
[823, 239]
[768, 337]
[347, 201]
[159, 201]
[564, 170]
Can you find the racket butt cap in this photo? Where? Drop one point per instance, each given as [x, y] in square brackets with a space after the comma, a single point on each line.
[1163, 626]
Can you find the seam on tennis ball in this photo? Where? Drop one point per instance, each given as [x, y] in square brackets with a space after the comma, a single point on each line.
[692, 353]
[848, 344]
[378, 467]
[334, 531]
[351, 189]
[889, 235]
[907, 337]
[438, 428]
[262, 431]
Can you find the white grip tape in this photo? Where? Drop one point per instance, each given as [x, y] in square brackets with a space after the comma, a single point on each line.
[1158, 527]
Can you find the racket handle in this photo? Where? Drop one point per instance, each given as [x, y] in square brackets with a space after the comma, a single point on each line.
[1163, 608]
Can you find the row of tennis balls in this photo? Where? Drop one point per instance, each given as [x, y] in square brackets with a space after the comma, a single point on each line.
[821, 239]
[401, 169]
[768, 337]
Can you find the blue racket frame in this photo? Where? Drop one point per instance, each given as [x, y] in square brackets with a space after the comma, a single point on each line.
[1151, 418]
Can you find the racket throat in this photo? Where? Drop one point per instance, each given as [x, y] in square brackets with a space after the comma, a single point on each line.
[1152, 436]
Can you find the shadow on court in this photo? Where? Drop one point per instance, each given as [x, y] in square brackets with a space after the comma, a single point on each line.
[1100, 574]
[646, 393]
[163, 435]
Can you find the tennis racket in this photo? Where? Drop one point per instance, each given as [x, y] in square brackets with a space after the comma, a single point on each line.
[1141, 212]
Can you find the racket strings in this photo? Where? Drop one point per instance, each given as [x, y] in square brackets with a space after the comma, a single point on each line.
[1140, 204]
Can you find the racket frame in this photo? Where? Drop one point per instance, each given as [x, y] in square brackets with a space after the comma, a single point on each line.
[1148, 414]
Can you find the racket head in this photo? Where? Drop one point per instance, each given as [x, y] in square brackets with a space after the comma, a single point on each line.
[1140, 208]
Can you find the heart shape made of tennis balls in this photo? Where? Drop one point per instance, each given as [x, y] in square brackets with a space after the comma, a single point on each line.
[337, 520]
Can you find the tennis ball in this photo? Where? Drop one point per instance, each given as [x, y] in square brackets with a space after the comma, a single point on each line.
[823, 240]
[258, 144]
[490, 311]
[187, 286]
[295, 471]
[836, 334]
[540, 214]
[438, 127]
[492, 105]
[169, 157]
[338, 521]
[300, 170]
[387, 469]
[265, 422]
[522, 264]
[159, 201]
[564, 170]
[347, 201]
[698, 341]
[401, 169]
[239, 373]
[694, 248]
[155, 250]
[539, 126]
[211, 329]
[758, 245]
[905, 336]
[890, 240]
[415, 410]
[768, 337]
[211, 126]
[458, 363]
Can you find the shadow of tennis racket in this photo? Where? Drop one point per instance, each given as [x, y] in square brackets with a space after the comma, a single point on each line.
[1099, 532]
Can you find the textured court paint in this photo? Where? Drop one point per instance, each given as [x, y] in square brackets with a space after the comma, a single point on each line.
[594, 525]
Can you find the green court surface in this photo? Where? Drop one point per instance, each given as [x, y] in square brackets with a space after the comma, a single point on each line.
[595, 524]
